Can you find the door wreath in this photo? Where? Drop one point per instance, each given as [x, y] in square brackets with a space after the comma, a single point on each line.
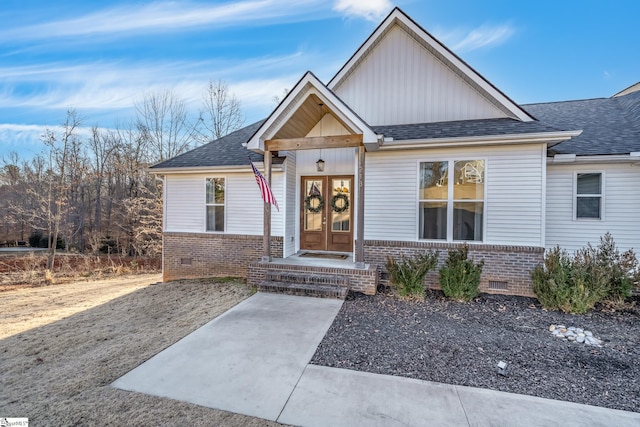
[337, 206]
[309, 206]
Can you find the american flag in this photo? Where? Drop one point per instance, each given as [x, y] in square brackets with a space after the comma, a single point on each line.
[265, 190]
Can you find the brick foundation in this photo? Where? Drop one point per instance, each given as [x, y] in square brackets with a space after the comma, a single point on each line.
[510, 264]
[199, 255]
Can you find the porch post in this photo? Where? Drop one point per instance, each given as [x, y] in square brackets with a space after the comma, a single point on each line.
[360, 211]
[266, 237]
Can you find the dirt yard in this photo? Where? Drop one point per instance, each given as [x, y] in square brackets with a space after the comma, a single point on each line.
[62, 346]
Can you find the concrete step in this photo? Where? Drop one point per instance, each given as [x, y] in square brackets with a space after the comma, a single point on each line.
[306, 277]
[304, 289]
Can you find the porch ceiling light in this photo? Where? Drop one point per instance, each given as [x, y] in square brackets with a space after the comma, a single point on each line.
[320, 165]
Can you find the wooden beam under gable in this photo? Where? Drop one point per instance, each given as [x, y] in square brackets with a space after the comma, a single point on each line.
[314, 142]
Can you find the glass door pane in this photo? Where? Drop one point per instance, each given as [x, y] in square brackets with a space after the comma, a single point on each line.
[341, 204]
[313, 211]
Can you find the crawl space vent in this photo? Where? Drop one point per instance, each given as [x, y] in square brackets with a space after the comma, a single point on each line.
[498, 285]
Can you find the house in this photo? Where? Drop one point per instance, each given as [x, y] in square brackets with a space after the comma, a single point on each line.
[406, 149]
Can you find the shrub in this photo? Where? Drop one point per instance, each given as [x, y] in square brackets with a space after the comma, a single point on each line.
[407, 275]
[34, 238]
[575, 285]
[459, 276]
[621, 270]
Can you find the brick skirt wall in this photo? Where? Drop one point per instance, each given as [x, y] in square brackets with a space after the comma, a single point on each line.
[360, 280]
[199, 255]
[508, 268]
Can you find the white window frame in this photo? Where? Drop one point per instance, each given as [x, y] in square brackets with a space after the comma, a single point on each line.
[206, 205]
[450, 199]
[576, 195]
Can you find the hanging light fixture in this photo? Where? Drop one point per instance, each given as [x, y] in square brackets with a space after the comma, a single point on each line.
[320, 162]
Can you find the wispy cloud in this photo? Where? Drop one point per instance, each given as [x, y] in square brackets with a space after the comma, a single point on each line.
[167, 16]
[482, 37]
[372, 10]
[116, 85]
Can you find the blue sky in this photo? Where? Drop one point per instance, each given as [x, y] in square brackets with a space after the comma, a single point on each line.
[101, 57]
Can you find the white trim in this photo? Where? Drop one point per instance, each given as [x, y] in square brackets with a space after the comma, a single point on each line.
[397, 16]
[601, 158]
[451, 199]
[224, 205]
[601, 195]
[543, 197]
[485, 140]
[213, 169]
[309, 84]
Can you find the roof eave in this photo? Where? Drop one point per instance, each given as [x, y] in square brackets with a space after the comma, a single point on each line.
[564, 159]
[465, 141]
[211, 169]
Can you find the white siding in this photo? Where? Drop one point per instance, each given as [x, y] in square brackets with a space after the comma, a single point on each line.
[337, 161]
[621, 207]
[401, 82]
[514, 182]
[185, 203]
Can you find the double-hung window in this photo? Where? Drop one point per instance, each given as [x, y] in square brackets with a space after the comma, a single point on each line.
[451, 200]
[588, 195]
[215, 203]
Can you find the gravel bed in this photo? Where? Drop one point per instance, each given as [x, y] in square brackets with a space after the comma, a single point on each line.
[462, 343]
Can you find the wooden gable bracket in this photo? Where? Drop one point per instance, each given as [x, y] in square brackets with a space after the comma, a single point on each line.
[314, 142]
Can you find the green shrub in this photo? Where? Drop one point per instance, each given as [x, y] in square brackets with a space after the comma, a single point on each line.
[407, 275]
[621, 270]
[575, 285]
[459, 276]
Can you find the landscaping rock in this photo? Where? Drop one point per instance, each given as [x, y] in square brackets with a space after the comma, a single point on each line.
[575, 334]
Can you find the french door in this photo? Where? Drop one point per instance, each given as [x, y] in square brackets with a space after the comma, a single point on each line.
[326, 213]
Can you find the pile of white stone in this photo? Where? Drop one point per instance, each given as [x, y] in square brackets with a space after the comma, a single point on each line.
[575, 334]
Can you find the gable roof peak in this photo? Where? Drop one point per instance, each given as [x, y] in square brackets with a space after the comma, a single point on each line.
[397, 17]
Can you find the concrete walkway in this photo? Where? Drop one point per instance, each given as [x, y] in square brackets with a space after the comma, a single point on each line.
[253, 360]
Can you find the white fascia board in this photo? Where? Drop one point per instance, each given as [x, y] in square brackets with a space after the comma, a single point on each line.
[603, 158]
[525, 138]
[316, 87]
[212, 169]
[398, 15]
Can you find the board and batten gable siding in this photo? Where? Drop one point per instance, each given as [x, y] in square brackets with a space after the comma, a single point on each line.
[621, 202]
[185, 204]
[514, 192]
[401, 82]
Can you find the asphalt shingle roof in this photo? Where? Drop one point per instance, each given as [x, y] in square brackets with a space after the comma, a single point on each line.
[226, 151]
[609, 125]
[462, 128]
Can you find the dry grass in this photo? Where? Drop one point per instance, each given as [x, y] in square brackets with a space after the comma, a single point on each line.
[58, 372]
[28, 270]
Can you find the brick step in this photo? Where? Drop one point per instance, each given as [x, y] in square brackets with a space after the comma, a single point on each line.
[305, 277]
[304, 289]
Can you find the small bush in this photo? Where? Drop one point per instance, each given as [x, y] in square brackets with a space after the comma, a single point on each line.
[459, 276]
[407, 275]
[575, 285]
[34, 238]
[621, 270]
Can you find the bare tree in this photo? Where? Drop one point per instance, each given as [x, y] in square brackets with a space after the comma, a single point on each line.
[278, 98]
[221, 113]
[56, 193]
[162, 120]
